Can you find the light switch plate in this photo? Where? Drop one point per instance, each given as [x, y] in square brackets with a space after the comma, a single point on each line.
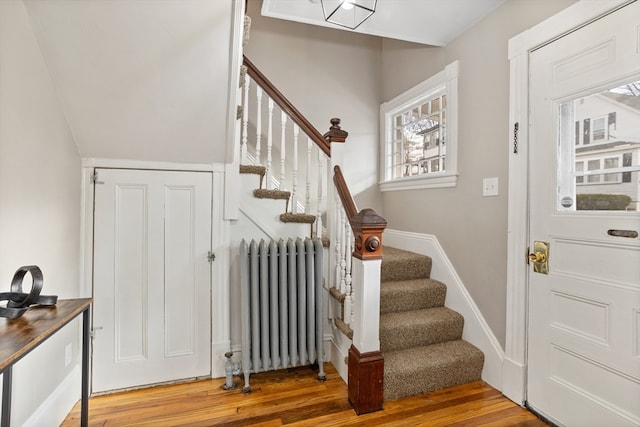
[490, 186]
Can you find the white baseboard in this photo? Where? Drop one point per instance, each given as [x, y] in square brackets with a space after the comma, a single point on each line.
[513, 378]
[57, 406]
[339, 352]
[476, 330]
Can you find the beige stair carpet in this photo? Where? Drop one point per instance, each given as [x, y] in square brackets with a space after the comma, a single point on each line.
[420, 339]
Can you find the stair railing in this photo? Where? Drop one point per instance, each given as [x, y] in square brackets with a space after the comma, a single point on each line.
[365, 362]
[263, 102]
[355, 236]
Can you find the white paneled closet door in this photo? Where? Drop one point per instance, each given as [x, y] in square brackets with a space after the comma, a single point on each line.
[152, 277]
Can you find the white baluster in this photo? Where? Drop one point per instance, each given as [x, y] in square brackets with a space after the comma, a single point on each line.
[245, 120]
[283, 125]
[343, 263]
[338, 244]
[307, 202]
[269, 144]
[258, 123]
[348, 301]
[319, 210]
[294, 196]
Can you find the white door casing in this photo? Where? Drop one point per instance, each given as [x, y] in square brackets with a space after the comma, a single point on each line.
[152, 315]
[584, 316]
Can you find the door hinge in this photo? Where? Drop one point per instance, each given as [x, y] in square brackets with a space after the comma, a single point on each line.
[211, 256]
[93, 331]
[94, 178]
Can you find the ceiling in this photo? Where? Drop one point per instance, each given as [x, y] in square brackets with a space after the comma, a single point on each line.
[431, 22]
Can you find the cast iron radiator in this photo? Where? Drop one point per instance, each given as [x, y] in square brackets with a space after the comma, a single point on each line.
[282, 316]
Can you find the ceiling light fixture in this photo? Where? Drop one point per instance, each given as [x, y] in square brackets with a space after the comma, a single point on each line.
[348, 13]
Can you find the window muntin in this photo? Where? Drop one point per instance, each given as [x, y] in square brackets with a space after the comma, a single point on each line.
[419, 145]
[418, 135]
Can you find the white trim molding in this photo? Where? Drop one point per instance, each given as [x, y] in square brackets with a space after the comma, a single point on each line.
[444, 82]
[575, 16]
[476, 330]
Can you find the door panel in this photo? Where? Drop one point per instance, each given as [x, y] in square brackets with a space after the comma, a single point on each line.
[583, 364]
[151, 277]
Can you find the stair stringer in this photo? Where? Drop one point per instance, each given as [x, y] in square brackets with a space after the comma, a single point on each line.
[476, 330]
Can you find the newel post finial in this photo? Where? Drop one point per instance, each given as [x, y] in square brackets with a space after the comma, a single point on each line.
[336, 134]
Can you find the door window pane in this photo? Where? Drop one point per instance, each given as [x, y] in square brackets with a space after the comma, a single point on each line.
[597, 133]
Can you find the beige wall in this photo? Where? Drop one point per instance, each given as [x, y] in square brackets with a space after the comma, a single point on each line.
[39, 201]
[326, 73]
[471, 228]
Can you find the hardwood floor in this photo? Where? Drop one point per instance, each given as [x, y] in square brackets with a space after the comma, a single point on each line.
[295, 397]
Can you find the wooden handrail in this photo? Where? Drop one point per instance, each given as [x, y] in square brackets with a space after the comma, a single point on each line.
[367, 225]
[344, 193]
[287, 107]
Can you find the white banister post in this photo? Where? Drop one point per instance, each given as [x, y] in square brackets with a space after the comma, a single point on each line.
[258, 123]
[294, 185]
[269, 144]
[321, 172]
[307, 196]
[283, 143]
[336, 240]
[348, 300]
[245, 120]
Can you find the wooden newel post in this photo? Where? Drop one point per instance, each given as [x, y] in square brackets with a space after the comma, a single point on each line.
[366, 364]
[335, 133]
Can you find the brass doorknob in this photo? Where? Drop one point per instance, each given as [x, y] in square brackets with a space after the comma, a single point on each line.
[538, 257]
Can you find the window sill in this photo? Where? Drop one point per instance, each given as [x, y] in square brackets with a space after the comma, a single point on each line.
[420, 182]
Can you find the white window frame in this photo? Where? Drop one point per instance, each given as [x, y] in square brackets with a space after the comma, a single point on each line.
[605, 129]
[446, 80]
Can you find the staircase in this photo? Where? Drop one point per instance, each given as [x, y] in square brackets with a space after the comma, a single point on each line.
[420, 339]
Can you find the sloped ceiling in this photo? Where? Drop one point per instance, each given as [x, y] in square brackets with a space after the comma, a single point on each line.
[140, 79]
[431, 22]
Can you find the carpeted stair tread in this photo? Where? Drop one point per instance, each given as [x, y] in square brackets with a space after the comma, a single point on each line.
[403, 265]
[417, 328]
[271, 194]
[409, 295]
[299, 218]
[335, 293]
[428, 368]
[344, 328]
[254, 169]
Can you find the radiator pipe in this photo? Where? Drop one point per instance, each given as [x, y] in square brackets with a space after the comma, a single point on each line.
[228, 371]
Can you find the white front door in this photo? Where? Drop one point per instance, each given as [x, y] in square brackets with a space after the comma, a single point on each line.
[584, 314]
[151, 287]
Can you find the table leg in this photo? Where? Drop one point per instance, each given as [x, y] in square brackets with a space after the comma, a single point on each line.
[6, 396]
[84, 404]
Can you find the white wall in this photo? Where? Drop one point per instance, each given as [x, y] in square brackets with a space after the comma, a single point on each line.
[138, 79]
[39, 200]
[472, 229]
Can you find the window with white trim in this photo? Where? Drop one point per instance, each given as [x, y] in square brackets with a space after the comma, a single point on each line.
[601, 164]
[419, 135]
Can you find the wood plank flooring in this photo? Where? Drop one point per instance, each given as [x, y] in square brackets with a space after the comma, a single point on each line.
[295, 397]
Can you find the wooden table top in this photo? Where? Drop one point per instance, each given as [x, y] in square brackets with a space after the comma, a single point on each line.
[19, 336]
